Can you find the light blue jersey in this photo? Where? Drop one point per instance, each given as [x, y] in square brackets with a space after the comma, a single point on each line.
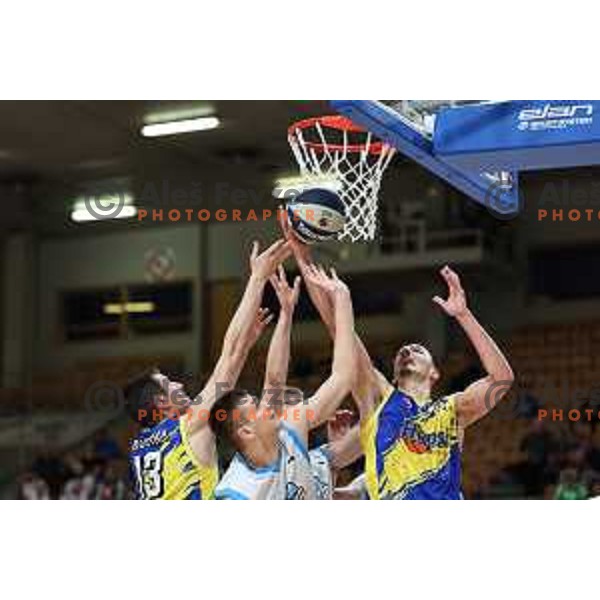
[297, 474]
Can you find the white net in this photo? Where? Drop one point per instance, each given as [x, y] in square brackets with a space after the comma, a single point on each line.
[326, 149]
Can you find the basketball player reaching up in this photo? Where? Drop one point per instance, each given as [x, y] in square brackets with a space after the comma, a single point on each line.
[272, 459]
[343, 440]
[175, 458]
[412, 443]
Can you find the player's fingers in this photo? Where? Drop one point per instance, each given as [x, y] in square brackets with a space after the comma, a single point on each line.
[283, 220]
[275, 247]
[302, 264]
[254, 251]
[450, 276]
[297, 284]
[274, 282]
[282, 251]
[281, 273]
[334, 274]
[268, 319]
[439, 301]
[453, 278]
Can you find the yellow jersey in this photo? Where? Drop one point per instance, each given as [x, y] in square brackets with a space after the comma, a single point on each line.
[412, 450]
[163, 465]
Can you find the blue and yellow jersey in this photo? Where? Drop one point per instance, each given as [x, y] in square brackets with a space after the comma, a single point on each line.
[164, 467]
[412, 450]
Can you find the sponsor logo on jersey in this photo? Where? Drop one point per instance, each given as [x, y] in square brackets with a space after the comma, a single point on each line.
[156, 438]
[419, 442]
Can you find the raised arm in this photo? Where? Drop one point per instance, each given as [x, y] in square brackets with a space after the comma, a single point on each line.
[482, 395]
[369, 384]
[262, 267]
[278, 357]
[242, 333]
[343, 369]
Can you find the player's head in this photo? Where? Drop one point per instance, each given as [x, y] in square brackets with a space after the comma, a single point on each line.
[151, 396]
[240, 421]
[414, 362]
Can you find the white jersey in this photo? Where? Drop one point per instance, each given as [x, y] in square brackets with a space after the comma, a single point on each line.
[296, 474]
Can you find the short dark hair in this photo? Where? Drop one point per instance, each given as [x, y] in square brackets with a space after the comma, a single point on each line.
[221, 418]
[140, 393]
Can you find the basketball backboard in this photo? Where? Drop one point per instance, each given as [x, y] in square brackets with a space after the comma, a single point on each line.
[481, 147]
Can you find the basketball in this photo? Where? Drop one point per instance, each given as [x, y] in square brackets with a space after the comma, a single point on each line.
[317, 215]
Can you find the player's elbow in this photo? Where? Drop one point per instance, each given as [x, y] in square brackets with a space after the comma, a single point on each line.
[505, 376]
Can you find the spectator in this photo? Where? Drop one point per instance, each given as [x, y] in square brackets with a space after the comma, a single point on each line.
[570, 487]
[539, 446]
[51, 469]
[95, 472]
[111, 486]
[80, 485]
[105, 447]
[32, 487]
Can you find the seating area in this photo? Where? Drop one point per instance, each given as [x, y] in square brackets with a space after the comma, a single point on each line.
[557, 355]
[67, 390]
[555, 367]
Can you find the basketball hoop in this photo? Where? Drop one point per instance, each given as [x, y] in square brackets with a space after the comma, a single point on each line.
[333, 147]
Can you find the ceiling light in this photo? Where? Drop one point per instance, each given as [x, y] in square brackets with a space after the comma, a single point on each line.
[183, 126]
[129, 307]
[103, 207]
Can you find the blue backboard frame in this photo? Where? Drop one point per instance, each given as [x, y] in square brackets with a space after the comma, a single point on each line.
[481, 148]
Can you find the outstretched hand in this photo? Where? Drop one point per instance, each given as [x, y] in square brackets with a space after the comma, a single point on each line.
[331, 284]
[287, 296]
[456, 303]
[265, 264]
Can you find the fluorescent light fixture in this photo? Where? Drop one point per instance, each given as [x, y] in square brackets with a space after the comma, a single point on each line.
[288, 187]
[129, 308]
[103, 207]
[84, 216]
[182, 126]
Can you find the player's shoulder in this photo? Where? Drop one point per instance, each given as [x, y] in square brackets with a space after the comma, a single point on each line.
[235, 481]
[292, 439]
[449, 401]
